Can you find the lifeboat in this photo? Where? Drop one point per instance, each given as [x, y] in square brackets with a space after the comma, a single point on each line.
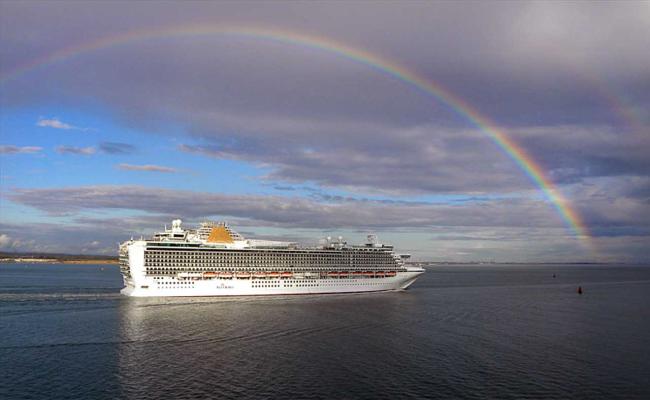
[368, 273]
[286, 274]
[209, 274]
[259, 274]
[243, 275]
[274, 274]
[344, 273]
[333, 274]
[391, 273]
[379, 274]
[226, 275]
[357, 273]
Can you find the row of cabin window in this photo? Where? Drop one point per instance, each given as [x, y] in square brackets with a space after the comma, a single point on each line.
[258, 254]
[270, 259]
[264, 264]
[208, 269]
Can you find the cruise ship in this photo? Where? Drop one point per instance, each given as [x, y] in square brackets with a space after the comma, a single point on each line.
[214, 260]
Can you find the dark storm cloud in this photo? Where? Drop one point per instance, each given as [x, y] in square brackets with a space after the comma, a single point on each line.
[435, 159]
[607, 213]
[534, 57]
[604, 209]
[284, 211]
[572, 153]
[418, 159]
[608, 205]
[310, 115]
[568, 81]
[116, 148]
[503, 230]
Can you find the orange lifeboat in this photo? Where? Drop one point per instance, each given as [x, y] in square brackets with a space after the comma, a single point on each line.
[226, 275]
[274, 274]
[357, 273]
[243, 275]
[379, 274]
[259, 274]
[333, 274]
[209, 274]
[286, 274]
[369, 273]
[391, 273]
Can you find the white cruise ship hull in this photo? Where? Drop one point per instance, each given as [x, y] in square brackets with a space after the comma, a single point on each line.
[152, 286]
[216, 261]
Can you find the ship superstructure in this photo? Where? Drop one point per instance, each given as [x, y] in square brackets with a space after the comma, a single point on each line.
[214, 260]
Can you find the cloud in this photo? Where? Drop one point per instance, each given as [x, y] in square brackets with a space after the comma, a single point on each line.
[553, 51]
[116, 148]
[571, 153]
[289, 211]
[373, 158]
[105, 147]
[62, 238]
[607, 209]
[11, 149]
[497, 229]
[306, 116]
[5, 241]
[85, 151]
[426, 158]
[55, 123]
[284, 188]
[151, 168]
[614, 206]
[314, 116]
[12, 243]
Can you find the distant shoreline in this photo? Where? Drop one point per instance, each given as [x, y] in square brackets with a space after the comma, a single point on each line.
[53, 258]
[56, 261]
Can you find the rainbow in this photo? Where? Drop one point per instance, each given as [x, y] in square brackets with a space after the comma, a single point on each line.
[390, 68]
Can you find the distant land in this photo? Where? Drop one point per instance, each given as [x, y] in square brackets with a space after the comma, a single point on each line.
[8, 257]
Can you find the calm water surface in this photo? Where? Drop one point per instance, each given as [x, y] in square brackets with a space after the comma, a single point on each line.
[460, 332]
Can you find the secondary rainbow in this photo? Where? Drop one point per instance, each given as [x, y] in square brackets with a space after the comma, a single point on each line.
[376, 62]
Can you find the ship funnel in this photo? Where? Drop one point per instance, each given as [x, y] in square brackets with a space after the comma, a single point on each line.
[176, 225]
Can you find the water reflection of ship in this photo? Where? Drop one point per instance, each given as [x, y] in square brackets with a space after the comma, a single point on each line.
[227, 346]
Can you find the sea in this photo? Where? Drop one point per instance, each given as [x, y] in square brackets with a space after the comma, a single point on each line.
[460, 332]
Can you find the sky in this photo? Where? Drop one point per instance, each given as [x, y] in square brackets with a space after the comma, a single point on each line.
[457, 131]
